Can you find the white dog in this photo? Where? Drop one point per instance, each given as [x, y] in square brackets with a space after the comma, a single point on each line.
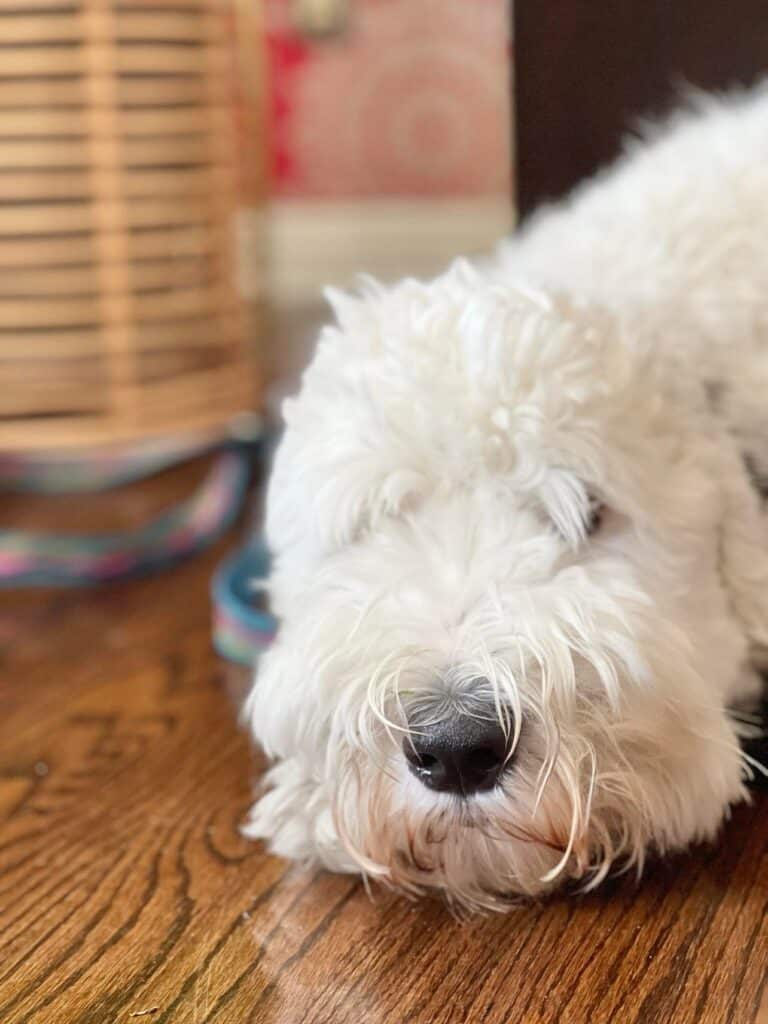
[519, 563]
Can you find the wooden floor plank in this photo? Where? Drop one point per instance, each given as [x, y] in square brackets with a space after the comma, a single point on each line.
[126, 889]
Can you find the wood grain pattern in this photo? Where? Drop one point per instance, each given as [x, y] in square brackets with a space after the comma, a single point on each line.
[125, 888]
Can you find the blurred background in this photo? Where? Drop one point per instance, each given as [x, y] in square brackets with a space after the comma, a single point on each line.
[180, 178]
[388, 145]
[178, 181]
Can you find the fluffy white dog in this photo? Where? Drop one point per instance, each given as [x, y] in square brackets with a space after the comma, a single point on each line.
[520, 565]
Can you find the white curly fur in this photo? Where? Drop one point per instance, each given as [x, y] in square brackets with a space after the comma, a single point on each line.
[427, 513]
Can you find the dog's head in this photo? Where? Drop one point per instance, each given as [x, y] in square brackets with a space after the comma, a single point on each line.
[505, 642]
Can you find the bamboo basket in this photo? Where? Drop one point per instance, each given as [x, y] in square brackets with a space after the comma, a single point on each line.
[119, 313]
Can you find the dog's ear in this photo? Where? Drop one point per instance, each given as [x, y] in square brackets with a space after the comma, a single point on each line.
[350, 454]
[345, 459]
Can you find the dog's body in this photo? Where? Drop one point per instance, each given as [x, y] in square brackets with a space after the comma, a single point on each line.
[440, 570]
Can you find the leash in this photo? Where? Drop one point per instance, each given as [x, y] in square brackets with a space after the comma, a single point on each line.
[242, 628]
[35, 559]
[31, 558]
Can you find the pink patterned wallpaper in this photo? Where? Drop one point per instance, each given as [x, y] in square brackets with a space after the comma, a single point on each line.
[411, 98]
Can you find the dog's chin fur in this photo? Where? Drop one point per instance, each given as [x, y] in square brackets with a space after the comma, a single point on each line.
[429, 516]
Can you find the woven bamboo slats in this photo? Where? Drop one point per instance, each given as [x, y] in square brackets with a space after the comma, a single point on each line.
[119, 317]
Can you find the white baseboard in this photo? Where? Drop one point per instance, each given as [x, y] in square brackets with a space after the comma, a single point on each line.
[313, 243]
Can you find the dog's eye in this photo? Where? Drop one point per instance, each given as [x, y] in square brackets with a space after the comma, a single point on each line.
[595, 516]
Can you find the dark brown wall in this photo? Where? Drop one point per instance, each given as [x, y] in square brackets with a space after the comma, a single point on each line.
[585, 69]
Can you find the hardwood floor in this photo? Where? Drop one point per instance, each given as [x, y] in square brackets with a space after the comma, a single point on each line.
[127, 894]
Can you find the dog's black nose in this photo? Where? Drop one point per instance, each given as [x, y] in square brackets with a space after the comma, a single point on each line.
[458, 753]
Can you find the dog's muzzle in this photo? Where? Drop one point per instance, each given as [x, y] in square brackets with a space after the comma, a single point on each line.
[458, 752]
